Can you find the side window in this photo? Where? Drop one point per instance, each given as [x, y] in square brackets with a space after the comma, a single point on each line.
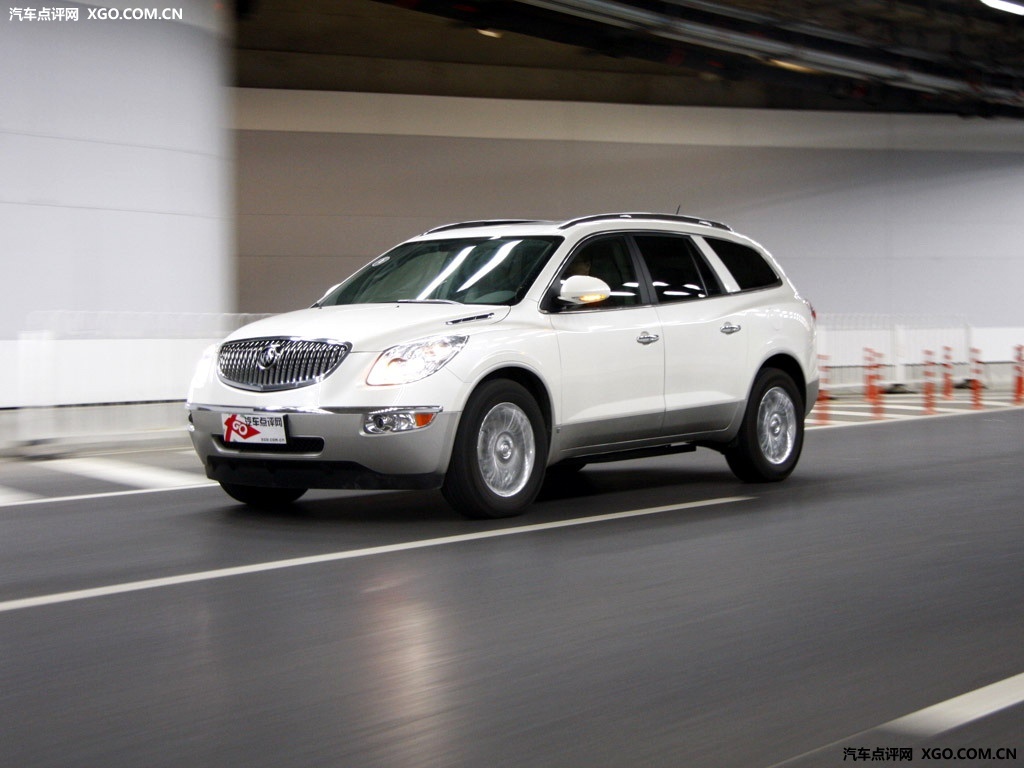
[609, 260]
[746, 265]
[678, 271]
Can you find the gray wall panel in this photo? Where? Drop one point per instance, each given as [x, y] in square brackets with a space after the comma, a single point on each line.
[858, 230]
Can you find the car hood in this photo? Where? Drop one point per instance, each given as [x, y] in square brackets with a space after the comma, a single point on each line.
[374, 327]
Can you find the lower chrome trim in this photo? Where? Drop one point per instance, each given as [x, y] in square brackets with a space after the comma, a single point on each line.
[264, 408]
[350, 411]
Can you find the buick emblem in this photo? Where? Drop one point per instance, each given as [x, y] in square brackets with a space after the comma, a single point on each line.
[270, 355]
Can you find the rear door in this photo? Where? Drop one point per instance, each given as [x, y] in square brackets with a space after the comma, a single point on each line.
[705, 335]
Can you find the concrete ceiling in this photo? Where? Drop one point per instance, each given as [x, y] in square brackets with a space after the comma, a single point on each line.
[944, 56]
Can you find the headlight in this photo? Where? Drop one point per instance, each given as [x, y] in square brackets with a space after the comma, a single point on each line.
[407, 363]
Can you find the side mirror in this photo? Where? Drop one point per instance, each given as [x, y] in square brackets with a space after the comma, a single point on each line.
[584, 289]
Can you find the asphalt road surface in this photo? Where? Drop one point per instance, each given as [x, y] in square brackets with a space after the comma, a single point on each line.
[650, 613]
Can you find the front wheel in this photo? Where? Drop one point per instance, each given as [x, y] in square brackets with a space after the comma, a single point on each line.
[265, 498]
[499, 455]
[771, 436]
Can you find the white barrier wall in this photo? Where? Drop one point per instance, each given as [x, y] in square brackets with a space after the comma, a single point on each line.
[83, 358]
[76, 362]
[72, 372]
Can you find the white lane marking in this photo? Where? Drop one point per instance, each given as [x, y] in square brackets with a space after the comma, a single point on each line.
[124, 472]
[834, 412]
[107, 495]
[886, 414]
[9, 496]
[904, 410]
[932, 721]
[867, 420]
[295, 562]
[961, 710]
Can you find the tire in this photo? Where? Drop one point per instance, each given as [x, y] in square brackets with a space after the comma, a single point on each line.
[499, 455]
[264, 498]
[771, 436]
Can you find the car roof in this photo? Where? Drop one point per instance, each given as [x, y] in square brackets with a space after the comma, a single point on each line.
[585, 224]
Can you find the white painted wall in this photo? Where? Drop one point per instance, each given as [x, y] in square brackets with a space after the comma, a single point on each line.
[115, 165]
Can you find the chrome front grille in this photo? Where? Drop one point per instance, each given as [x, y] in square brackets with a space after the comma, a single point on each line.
[270, 364]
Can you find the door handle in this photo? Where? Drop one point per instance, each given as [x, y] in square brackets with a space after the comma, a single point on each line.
[647, 338]
[729, 328]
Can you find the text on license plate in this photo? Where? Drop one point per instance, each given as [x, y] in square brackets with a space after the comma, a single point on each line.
[253, 428]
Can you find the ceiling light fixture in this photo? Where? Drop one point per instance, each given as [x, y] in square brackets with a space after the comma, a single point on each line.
[1005, 5]
[793, 67]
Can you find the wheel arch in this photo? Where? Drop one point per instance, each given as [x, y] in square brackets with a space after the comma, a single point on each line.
[468, 486]
[770, 439]
[781, 361]
[790, 366]
[532, 383]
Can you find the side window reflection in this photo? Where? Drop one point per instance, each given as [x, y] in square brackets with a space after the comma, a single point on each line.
[746, 265]
[678, 271]
[609, 260]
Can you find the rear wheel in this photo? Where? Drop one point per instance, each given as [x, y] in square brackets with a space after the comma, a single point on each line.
[771, 436]
[499, 455]
[265, 498]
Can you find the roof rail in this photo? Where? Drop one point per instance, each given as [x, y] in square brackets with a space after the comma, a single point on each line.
[649, 217]
[482, 223]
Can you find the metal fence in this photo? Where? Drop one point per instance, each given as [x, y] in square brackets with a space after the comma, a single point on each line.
[898, 346]
[894, 343]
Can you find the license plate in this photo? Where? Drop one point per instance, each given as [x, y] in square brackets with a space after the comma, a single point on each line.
[253, 428]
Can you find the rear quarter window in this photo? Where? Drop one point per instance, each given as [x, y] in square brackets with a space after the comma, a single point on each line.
[749, 268]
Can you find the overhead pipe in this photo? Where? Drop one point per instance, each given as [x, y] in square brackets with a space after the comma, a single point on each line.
[633, 18]
[850, 39]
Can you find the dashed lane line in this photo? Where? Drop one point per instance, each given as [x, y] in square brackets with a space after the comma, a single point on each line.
[106, 495]
[961, 710]
[124, 472]
[924, 724]
[140, 478]
[296, 562]
[12, 496]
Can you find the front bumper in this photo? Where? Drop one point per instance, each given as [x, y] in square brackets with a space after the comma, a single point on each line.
[325, 449]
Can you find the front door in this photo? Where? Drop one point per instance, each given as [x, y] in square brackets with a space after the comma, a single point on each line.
[613, 363]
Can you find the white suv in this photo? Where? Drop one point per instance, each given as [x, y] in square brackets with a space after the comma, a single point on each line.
[479, 355]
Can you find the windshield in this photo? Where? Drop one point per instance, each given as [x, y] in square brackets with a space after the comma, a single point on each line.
[496, 270]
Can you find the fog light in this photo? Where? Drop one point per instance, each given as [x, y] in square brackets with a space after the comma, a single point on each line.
[398, 419]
